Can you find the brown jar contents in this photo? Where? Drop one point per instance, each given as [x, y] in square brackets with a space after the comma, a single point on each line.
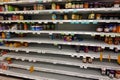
[35, 7]
[86, 5]
[98, 16]
[57, 6]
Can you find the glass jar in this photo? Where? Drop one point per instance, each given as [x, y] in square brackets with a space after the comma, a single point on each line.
[73, 16]
[91, 5]
[81, 5]
[65, 17]
[98, 16]
[96, 5]
[69, 5]
[77, 5]
[57, 6]
[73, 6]
[86, 5]
[117, 4]
[35, 7]
[53, 6]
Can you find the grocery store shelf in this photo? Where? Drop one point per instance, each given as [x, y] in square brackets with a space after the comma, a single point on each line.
[60, 21]
[58, 41]
[62, 60]
[62, 11]
[92, 33]
[65, 51]
[64, 70]
[20, 2]
[31, 1]
[38, 75]
[15, 72]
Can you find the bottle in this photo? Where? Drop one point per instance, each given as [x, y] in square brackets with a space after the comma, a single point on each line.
[35, 7]
[98, 16]
[57, 6]
[21, 17]
[81, 5]
[117, 4]
[86, 5]
[73, 16]
[69, 5]
[118, 29]
[25, 26]
[8, 35]
[53, 7]
[3, 36]
[65, 17]
[66, 6]
[91, 16]
[77, 6]
[91, 5]
[73, 6]
[54, 16]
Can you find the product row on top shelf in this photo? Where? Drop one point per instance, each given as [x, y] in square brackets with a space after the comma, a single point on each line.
[57, 6]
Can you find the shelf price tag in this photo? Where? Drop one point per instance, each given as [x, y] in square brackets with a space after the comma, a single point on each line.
[75, 11]
[60, 0]
[62, 33]
[95, 22]
[40, 1]
[55, 44]
[66, 11]
[87, 22]
[92, 34]
[72, 22]
[102, 35]
[82, 22]
[72, 34]
[76, 22]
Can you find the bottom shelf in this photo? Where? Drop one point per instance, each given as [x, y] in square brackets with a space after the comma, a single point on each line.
[38, 75]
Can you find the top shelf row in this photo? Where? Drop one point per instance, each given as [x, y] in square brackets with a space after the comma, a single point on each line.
[41, 1]
[68, 3]
[69, 6]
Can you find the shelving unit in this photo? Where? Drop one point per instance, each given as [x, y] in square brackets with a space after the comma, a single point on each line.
[73, 49]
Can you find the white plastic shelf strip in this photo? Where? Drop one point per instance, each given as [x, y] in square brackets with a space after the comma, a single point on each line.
[64, 51]
[38, 75]
[70, 71]
[62, 11]
[58, 41]
[23, 75]
[59, 21]
[63, 32]
[62, 60]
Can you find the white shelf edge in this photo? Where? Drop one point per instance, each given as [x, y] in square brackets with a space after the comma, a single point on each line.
[7, 72]
[63, 32]
[54, 61]
[59, 21]
[60, 72]
[61, 11]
